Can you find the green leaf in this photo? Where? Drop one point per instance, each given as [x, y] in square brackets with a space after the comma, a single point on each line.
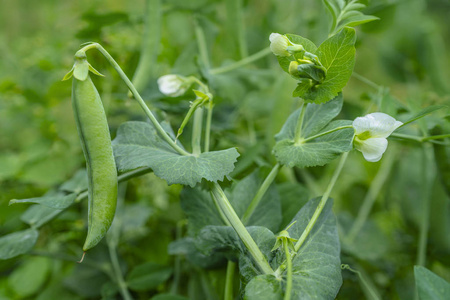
[337, 55]
[148, 276]
[199, 208]
[57, 202]
[29, 278]
[371, 243]
[321, 150]
[293, 196]
[424, 112]
[138, 145]
[429, 285]
[355, 20]
[317, 116]
[225, 239]
[316, 152]
[17, 243]
[37, 215]
[268, 211]
[77, 184]
[317, 265]
[264, 287]
[187, 247]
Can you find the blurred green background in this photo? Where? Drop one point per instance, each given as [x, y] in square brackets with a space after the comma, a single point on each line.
[404, 55]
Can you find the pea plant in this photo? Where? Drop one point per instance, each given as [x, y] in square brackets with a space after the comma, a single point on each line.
[268, 244]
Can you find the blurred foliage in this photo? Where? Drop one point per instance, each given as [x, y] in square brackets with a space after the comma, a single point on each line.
[404, 54]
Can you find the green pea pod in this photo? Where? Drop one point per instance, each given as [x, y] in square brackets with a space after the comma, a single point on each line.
[96, 143]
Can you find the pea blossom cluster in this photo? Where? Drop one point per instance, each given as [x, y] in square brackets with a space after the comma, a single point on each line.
[303, 66]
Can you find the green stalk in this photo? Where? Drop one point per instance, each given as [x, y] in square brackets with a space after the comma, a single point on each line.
[150, 45]
[298, 128]
[365, 80]
[177, 264]
[240, 28]
[242, 62]
[202, 47]
[138, 97]
[240, 229]
[208, 125]
[429, 174]
[371, 196]
[321, 205]
[435, 137]
[259, 195]
[421, 139]
[287, 293]
[366, 283]
[231, 266]
[407, 137]
[123, 177]
[197, 132]
[112, 242]
[326, 132]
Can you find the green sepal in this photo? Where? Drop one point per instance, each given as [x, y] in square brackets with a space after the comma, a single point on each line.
[68, 75]
[91, 68]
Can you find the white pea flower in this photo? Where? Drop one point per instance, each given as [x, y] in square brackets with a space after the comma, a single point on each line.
[279, 44]
[173, 85]
[371, 132]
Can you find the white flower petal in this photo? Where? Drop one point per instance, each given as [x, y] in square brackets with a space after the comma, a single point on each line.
[172, 85]
[372, 148]
[379, 125]
[278, 44]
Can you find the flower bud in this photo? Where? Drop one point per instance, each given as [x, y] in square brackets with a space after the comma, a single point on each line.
[173, 85]
[279, 44]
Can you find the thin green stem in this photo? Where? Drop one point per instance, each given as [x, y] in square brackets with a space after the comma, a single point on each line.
[231, 266]
[197, 132]
[326, 132]
[371, 196]
[240, 28]
[429, 174]
[287, 293]
[118, 274]
[112, 241]
[219, 209]
[366, 283]
[366, 80]
[242, 62]
[322, 203]
[177, 264]
[201, 44]
[260, 193]
[240, 229]
[208, 125]
[123, 177]
[298, 128]
[421, 139]
[138, 97]
[150, 44]
[407, 137]
[435, 137]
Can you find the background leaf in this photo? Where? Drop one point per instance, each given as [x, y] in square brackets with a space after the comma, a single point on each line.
[57, 202]
[148, 276]
[17, 243]
[429, 285]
